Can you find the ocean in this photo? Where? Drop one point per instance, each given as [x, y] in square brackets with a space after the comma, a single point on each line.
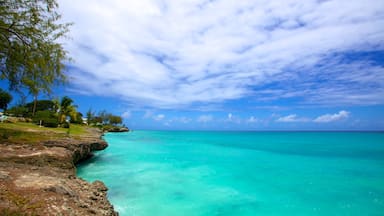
[241, 173]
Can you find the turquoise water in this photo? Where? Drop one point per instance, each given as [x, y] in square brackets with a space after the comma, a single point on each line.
[242, 173]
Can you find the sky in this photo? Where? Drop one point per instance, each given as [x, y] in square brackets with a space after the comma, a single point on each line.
[229, 65]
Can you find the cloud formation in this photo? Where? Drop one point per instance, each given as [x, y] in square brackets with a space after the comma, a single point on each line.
[292, 118]
[252, 119]
[159, 117]
[126, 114]
[204, 118]
[167, 54]
[320, 119]
[332, 117]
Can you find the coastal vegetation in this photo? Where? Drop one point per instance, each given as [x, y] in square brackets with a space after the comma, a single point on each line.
[32, 57]
[5, 99]
[61, 113]
[33, 61]
[42, 140]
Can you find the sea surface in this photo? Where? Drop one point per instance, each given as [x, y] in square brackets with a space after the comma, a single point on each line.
[156, 173]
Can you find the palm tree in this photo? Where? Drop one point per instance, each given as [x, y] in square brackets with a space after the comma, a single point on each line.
[67, 109]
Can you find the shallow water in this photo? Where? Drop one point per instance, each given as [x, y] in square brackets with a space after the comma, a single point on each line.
[242, 173]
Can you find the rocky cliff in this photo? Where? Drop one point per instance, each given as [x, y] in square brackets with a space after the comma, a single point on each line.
[40, 179]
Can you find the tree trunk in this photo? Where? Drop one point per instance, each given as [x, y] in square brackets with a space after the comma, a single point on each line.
[34, 105]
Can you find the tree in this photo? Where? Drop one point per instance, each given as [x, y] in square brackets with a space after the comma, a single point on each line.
[31, 55]
[41, 105]
[5, 99]
[19, 111]
[56, 105]
[105, 116]
[77, 118]
[115, 120]
[46, 118]
[90, 116]
[67, 109]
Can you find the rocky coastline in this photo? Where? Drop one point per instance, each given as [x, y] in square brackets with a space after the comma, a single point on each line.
[40, 179]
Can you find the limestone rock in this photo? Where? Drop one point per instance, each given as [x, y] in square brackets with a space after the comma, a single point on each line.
[41, 179]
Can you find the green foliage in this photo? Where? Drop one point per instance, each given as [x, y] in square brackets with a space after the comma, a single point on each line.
[42, 105]
[67, 109]
[115, 120]
[48, 118]
[77, 119]
[5, 99]
[108, 118]
[31, 55]
[107, 127]
[52, 123]
[18, 111]
[27, 109]
[66, 102]
[90, 115]
[104, 116]
[97, 120]
[65, 125]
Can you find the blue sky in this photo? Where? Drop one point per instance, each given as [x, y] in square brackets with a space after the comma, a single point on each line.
[229, 65]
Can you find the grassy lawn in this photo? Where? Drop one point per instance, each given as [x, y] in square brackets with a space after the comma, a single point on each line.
[29, 133]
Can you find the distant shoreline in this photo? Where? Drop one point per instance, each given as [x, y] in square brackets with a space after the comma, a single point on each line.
[256, 131]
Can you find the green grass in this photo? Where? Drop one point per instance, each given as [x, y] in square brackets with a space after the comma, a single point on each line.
[28, 133]
[75, 129]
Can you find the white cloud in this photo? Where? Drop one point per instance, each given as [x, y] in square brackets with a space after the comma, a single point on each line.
[159, 117]
[252, 119]
[292, 118]
[332, 117]
[126, 114]
[233, 119]
[321, 119]
[205, 118]
[165, 53]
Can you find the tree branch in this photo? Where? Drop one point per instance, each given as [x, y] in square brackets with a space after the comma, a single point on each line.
[16, 34]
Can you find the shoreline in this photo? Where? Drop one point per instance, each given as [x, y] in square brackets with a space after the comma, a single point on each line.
[41, 179]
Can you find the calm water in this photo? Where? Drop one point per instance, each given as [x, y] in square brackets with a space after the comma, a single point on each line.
[242, 173]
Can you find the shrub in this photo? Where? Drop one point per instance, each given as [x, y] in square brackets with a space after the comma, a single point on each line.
[107, 127]
[52, 123]
[65, 125]
[47, 118]
[18, 111]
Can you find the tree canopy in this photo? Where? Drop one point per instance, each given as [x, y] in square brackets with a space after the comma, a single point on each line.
[31, 55]
[42, 105]
[67, 109]
[5, 99]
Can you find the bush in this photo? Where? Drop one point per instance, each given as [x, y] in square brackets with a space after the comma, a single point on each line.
[107, 127]
[47, 118]
[52, 123]
[65, 125]
[18, 111]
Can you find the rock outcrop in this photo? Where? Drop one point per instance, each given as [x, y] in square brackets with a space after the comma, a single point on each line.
[116, 129]
[40, 179]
